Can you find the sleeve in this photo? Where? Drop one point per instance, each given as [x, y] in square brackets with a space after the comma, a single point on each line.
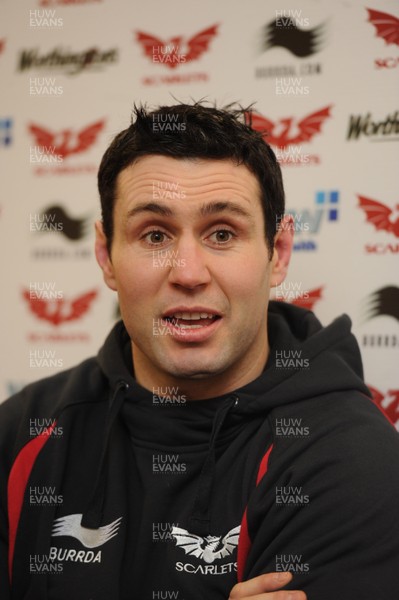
[327, 509]
[10, 416]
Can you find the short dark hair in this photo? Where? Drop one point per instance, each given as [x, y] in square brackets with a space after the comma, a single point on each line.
[194, 131]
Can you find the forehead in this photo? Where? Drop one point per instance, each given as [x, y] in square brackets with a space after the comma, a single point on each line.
[195, 178]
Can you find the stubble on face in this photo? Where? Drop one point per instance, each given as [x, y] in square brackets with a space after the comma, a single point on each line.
[232, 279]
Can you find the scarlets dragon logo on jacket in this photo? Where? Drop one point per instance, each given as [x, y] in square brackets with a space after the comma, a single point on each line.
[209, 548]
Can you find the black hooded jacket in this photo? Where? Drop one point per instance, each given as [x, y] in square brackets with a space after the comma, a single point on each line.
[109, 491]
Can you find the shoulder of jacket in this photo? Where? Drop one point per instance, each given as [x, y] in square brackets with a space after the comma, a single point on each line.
[50, 395]
[345, 421]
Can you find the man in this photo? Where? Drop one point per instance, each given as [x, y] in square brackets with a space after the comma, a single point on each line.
[219, 446]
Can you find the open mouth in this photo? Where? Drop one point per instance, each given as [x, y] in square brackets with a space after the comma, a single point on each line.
[191, 320]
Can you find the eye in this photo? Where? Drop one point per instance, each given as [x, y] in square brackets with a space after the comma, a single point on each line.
[154, 237]
[222, 236]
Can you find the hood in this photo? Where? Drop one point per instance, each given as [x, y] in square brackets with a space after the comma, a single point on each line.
[306, 360]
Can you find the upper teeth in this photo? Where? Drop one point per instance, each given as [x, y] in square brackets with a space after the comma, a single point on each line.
[193, 316]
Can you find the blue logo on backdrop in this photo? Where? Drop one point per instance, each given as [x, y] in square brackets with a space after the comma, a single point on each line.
[307, 222]
[5, 131]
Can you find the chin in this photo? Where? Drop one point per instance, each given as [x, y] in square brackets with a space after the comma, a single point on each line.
[192, 373]
[196, 371]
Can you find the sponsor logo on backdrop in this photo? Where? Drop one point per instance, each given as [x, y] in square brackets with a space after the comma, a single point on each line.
[386, 25]
[288, 134]
[283, 32]
[50, 305]
[308, 222]
[6, 131]
[50, 148]
[375, 129]
[383, 219]
[174, 53]
[65, 61]
[206, 551]
[383, 302]
[389, 402]
[58, 310]
[387, 28]
[304, 299]
[291, 31]
[56, 219]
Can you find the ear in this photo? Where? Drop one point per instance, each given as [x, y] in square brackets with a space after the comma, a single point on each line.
[103, 257]
[283, 242]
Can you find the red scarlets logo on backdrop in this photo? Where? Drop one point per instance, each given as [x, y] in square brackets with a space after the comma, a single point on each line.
[292, 293]
[392, 408]
[309, 299]
[387, 26]
[58, 310]
[177, 50]
[379, 215]
[66, 142]
[289, 131]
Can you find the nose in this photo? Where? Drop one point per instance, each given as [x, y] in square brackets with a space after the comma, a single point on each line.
[190, 270]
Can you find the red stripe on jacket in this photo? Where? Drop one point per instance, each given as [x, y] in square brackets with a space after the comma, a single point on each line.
[17, 482]
[244, 542]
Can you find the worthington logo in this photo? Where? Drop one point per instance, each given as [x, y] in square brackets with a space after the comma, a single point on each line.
[375, 130]
[67, 61]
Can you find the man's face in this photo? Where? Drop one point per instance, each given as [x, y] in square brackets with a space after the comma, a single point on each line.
[190, 264]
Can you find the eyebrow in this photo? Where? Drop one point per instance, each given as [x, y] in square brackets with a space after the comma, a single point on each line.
[211, 208]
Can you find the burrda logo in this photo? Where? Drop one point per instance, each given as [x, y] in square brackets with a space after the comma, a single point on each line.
[70, 526]
[89, 538]
[208, 549]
